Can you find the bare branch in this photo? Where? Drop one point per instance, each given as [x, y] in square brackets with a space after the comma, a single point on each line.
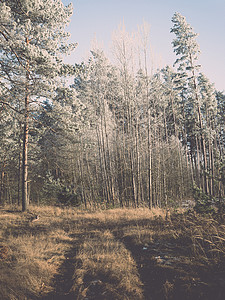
[10, 106]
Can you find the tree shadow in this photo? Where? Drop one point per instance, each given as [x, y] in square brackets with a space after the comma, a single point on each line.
[167, 271]
[63, 281]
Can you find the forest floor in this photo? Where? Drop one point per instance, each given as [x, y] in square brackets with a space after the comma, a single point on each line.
[112, 254]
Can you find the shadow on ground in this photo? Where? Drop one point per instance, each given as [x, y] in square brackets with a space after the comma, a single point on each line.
[63, 280]
[166, 267]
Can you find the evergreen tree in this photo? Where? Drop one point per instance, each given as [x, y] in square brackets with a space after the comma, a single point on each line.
[187, 49]
[32, 40]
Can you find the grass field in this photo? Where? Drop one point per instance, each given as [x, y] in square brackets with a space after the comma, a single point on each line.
[111, 254]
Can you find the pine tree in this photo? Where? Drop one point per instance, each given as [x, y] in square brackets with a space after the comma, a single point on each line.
[187, 49]
[32, 39]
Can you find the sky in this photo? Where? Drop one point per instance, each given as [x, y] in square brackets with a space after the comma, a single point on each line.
[99, 18]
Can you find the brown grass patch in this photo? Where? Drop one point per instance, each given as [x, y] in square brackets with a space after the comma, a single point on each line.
[105, 270]
[34, 253]
[111, 254]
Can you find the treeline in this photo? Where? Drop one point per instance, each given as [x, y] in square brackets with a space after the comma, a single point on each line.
[122, 133]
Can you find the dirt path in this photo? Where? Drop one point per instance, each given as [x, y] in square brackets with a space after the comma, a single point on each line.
[63, 280]
[167, 271]
[111, 255]
[164, 267]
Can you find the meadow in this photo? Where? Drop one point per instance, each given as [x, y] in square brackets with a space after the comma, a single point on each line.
[111, 254]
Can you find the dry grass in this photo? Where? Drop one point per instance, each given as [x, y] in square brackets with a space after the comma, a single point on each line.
[110, 254]
[105, 270]
[35, 250]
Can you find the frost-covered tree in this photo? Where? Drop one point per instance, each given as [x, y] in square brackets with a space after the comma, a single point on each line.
[32, 40]
[9, 153]
[220, 131]
[185, 44]
[187, 50]
[95, 86]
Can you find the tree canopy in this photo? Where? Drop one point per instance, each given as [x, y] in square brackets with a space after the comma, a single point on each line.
[119, 135]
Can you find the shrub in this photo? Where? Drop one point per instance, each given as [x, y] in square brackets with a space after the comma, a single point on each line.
[66, 196]
[203, 202]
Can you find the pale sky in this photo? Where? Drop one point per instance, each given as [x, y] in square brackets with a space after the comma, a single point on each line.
[99, 18]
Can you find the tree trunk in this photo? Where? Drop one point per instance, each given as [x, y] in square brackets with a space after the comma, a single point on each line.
[80, 165]
[2, 187]
[19, 175]
[25, 201]
[149, 161]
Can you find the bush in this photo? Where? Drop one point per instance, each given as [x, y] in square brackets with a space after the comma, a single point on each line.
[68, 197]
[55, 190]
[203, 202]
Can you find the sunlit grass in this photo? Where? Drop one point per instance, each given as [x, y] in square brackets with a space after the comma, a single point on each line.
[101, 243]
[106, 267]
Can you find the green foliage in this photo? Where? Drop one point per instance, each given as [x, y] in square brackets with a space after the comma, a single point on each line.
[115, 137]
[59, 192]
[51, 188]
[203, 202]
[222, 172]
[66, 196]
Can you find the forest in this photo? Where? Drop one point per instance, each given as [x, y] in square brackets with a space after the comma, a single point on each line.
[106, 132]
[112, 170]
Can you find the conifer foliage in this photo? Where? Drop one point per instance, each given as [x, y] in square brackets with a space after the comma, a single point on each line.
[123, 134]
[32, 40]
[199, 98]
